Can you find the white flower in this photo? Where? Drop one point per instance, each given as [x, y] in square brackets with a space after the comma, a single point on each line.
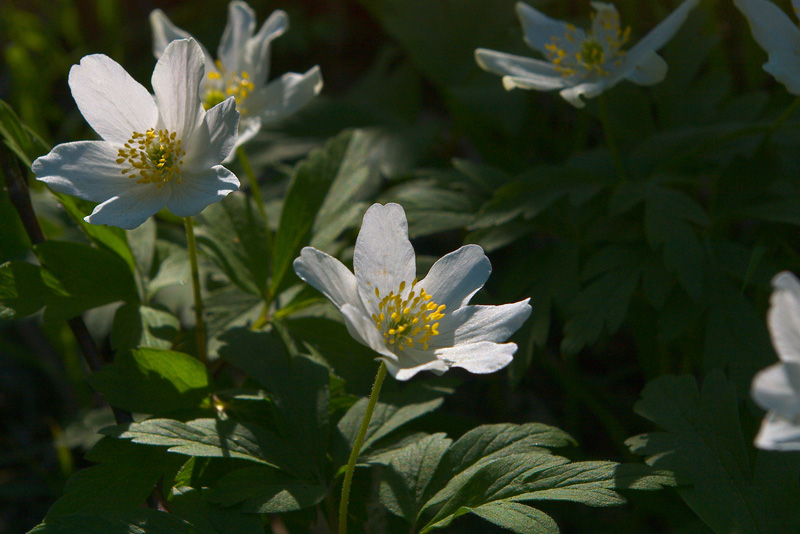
[778, 36]
[777, 388]
[415, 325]
[242, 68]
[580, 64]
[156, 151]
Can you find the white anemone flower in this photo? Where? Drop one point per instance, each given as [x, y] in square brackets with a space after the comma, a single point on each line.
[777, 388]
[775, 32]
[156, 151]
[415, 325]
[581, 64]
[242, 68]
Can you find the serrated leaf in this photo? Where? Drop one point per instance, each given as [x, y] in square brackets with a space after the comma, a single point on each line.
[212, 438]
[234, 235]
[83, 277]
[307, 190]
[409, 472]
[614, 273]
[705, 445]
[194, 506]
[152, 381]
[124, 478]
[262, 490]
[541, 476]
[140, 521]
[516, 517]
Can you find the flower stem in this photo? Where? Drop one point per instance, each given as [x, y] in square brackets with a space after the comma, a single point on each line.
[602, 107]
[362, 433]
[254, 188]
[200, 325]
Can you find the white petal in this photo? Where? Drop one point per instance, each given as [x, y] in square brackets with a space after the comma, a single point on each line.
[214, 140]
[327, 275]
[284, 96]
[587, 89]
[114, 104]
[483, 357]
[130, 208]
[240, 27]
[779, 37]
[258, 53]
[605, 23]
[777, 388]
[519, 71]
[248, 129]
[454, 278]
[196, 191]
[85, 169]
[778, 433]
[410, 362]
[472, 324]
[784, 316]
[659, 35]
[164, 32]
[363, 330]
[539, 28]
[176, 82]
[383, 255]
[652, 69]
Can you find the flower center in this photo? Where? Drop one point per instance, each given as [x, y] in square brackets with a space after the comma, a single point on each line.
[407, 320]
[572, 53]
[222, 85]
[152, 157]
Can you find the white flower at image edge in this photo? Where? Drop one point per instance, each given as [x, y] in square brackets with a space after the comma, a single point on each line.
[777, 388]
[775, 32]
[156, 151]
[581, 64]
[414, 326]
[242, 68]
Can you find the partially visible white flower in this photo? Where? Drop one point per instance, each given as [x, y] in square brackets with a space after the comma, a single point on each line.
[580, 64]
[777, 388]
[156, 151]
[415, 325]
[778, 36]
[242, 69]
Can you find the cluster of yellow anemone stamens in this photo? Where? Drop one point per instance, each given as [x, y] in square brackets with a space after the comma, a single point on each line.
[152, 157]
[591, 55]
[223, 86]
[407, 320]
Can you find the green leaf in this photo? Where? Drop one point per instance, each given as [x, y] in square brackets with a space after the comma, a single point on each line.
[123, 480]
[193, 505]
[22, 141]
[83, 277]
[22, 289]
[516, 517]
[152, 381]
[307, 190]
[263, 490]
[136, 325]
[142, 245]
[298, 387]
[704, 444]
[486, 443]
[140, 521]
[385, 419]
[403, 489]
[233, 233]
[213, 438]
[541, 476]
[602, 305]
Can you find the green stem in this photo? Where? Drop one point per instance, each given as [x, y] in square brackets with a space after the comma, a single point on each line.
[254, 188]
[602, 107]
[362, 433]
[200, 326]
